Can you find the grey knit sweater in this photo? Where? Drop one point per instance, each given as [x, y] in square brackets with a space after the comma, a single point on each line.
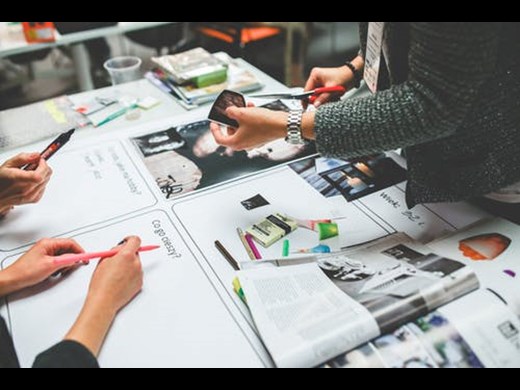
[450, 95]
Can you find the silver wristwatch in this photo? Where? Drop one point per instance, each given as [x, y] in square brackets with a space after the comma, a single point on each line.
[294, 128]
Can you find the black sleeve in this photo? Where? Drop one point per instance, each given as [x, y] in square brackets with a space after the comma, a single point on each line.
[67, 354]
[8, 358]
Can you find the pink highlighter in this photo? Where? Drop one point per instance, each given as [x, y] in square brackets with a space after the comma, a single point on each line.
[69, 260]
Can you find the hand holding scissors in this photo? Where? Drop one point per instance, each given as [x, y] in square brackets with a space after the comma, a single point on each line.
[309, 97]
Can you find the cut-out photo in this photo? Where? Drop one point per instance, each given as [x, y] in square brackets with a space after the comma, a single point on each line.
[255, 203]
[486, 247]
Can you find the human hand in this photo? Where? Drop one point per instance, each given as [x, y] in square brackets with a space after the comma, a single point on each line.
[19, 187]
[37, 265]
[117, 280]
[257, 126]
[329, 77]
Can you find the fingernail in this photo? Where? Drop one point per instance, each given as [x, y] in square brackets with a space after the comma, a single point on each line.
[317, 104]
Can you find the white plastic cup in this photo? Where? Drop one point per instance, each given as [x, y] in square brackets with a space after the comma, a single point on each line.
[124, 70]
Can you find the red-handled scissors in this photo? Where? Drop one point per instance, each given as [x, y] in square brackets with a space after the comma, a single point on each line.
[311, 95]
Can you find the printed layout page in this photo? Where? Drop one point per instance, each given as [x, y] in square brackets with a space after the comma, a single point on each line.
[90, 185]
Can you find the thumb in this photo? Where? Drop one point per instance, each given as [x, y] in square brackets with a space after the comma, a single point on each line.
[234, 112]
[22, 159]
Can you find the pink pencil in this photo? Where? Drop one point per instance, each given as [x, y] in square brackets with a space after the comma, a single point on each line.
[256, 252]
[67, 260]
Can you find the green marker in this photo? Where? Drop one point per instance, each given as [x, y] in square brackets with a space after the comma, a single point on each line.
[286, 248]
[116, 115]
[328, 230]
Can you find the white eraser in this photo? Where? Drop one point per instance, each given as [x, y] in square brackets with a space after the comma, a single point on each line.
[148, 103]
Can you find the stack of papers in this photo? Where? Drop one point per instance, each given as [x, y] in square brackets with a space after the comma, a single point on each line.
[239, 79]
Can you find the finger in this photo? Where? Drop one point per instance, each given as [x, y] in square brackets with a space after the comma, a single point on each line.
[132, 246]
[250, 105]
[43, 169]
[312, 82]
[21, 177]
[63, 246]
[220, 138]
[322, 99]
[235, 113]
[22, 160]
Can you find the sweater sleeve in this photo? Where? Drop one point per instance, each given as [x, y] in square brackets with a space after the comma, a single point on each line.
[449, 62]
[67, 354]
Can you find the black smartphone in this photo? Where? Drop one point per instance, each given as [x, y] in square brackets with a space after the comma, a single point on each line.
[225, 100]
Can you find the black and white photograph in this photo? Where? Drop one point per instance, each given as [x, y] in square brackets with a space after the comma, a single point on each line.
[186, 158]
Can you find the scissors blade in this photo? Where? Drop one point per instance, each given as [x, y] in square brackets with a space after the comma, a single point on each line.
[282, 96]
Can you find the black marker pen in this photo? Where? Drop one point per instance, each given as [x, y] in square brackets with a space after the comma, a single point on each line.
[52, 149]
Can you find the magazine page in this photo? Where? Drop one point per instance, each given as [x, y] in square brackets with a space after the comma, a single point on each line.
[476, 331]
[303, 318]
[394, 279]
[492, 249]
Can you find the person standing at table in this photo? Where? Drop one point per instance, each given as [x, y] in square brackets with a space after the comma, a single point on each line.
[448, 93]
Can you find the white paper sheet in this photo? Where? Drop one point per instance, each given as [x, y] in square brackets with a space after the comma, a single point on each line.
[493, 272]
[90, 185]
[177, 321]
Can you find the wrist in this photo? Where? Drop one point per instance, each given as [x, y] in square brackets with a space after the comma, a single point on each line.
[280, 125]
[308, 121]
[9, 283]
[103, 308]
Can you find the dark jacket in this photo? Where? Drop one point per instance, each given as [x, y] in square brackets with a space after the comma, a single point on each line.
[67, 354]
[450, 96]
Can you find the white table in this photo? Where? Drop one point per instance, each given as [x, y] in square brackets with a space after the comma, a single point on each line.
[169, 109]
[12, 42]
[168, 114]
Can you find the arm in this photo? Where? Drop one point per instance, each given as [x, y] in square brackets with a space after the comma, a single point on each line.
[259, 126]
[449, 63]
[114, 284]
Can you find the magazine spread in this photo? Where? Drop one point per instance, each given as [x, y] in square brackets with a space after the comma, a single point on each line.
[308, 310]
[455, 336]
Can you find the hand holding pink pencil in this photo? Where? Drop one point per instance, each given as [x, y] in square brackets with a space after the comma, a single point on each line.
[69, 260]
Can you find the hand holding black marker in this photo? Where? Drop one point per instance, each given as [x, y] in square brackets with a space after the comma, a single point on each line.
[52, 149]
